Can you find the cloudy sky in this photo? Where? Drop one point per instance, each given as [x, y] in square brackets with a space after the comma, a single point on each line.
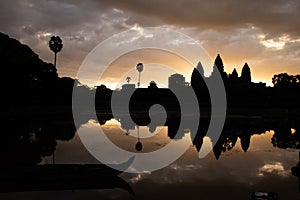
[264, 33]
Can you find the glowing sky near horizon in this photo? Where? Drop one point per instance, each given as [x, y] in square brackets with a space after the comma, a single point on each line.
[265, 34]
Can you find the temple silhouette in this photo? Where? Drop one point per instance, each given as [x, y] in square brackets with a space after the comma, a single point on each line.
[252, 108]
[240, 90]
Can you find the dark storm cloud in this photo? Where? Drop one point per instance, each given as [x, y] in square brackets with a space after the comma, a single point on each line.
[81, 24]
[73, 17]
[18, 17]
[276, 16]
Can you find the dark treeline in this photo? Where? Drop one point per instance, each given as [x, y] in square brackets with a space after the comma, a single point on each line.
[36, 113]
[29, 81]
[35, 105]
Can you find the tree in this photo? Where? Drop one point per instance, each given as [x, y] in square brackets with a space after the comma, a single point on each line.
[55, 44]
[297, 79]
[128, 79]
[282, 80]
[285, 138]
[25, 72]
[140, 68]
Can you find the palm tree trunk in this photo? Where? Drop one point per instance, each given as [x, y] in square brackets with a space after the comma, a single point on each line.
[139, 79]
[55, 60]
[138, 133]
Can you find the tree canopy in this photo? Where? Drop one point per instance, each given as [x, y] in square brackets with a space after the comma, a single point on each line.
[286, 80]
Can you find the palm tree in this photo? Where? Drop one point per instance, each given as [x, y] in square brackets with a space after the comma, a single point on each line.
[140, 68]
[128, 79]
[55, 44]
